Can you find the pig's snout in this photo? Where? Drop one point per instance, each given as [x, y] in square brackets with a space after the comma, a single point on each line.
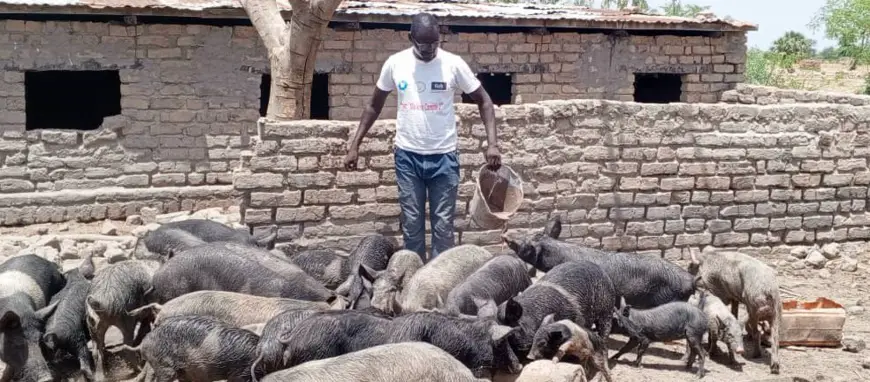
[739, 350]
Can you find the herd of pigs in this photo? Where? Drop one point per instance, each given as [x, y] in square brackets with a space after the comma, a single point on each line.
[201, 301]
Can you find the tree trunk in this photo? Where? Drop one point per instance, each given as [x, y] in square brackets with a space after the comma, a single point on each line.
[292, 50]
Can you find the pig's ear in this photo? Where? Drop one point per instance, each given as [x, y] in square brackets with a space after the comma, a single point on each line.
[368, 273]
[554, 227]
[44, 313]
[512, 312]
[486, 309]
[514, 245]
[558, 335]
[10, 320]
[721, 323]
[499, 332]
[50, 340]
[549, 319]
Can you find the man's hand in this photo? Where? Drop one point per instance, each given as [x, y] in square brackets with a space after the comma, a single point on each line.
[493, 157]
[351, 158]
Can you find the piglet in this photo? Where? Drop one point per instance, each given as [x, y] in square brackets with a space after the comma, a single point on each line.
[741, 279]
[429, 286]
[270, 350]
[325, 265]
[66, 336]
[198, 348]
[564, 337]
[497, 280]
[669, 322]
[722, 325]
[388, 284]
[235, 309]
[374, 253]
[395, 362]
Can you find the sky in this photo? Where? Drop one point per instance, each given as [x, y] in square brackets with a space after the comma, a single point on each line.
[773, 17]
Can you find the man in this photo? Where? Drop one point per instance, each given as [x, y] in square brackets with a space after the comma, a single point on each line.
[426, 157]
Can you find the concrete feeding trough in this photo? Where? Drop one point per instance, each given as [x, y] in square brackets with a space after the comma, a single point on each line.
[816, 323]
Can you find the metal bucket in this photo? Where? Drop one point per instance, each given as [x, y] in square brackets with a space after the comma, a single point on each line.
[498, 195]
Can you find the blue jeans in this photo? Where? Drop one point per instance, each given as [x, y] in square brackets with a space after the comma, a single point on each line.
[438, 176]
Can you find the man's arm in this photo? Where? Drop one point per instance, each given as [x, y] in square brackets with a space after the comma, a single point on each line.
[487, 113]
[370, 114]
[469, 84]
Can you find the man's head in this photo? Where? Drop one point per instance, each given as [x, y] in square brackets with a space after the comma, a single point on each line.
[425, 36]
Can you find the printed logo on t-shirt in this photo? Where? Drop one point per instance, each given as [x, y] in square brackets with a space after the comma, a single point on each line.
[421, 86]
[439, 86]
[403, 85]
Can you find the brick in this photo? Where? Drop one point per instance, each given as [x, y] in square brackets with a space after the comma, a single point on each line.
[626, 213]
[730, 238]
[693, 239]
[300, 214]
[648, 169]
[327, 197]
[713, 183]
[255, 181]
[367, 178]
[303, 181]
[663, 213]
[637, 183]
[645, 228]
[751, 224]
[276, 199]
[364, 212]
[672, 184]
[751, 196]
[806, 180]
[780, 180]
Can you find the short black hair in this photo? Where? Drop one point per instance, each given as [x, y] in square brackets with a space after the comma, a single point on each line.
[423, 21]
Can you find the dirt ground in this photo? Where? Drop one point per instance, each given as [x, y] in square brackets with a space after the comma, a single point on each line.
[661, 362]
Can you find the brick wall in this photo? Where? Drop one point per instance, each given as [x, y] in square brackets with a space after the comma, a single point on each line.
[553, 66]
[623, 176]
[768, 95]
[190, 99]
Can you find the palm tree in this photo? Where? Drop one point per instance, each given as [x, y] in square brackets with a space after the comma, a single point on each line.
[677, 8]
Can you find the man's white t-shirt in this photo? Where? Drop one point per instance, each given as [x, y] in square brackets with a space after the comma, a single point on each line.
[425, 121]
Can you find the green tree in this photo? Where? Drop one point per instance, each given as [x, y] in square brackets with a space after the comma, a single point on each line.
[829, 53]
[677, 8]
[619, 4]
[794, 44]
[848, 22]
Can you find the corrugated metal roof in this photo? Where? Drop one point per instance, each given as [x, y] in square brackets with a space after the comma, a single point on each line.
[452, 12]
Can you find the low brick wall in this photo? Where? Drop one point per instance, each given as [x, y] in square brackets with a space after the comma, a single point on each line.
[622, 175]
[768, 95]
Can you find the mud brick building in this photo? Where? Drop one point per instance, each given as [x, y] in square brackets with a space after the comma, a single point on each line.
[109, 106]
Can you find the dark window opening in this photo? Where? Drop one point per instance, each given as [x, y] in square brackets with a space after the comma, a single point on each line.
[498, 85]
[319, 104]
[62, 99]
[657, 87]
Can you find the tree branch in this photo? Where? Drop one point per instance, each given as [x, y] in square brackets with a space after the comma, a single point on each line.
[267, 20]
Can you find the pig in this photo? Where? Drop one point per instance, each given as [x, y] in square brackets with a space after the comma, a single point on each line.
[234, 268]
[270, 351]
[556, 339]
[669, 322]
[497, 280]
[388, 284]
[114, 291]
[374, 253]
[198, 349]
[429, 286]
[722, 326]
[579, 291]
[324, 265]
[395, 362]
[27, 284]
[174, 237]
[645, 281]
[482, 344]
[66, 336]
[741, 279]
[333, 333]
[546, 371]
[234, 309]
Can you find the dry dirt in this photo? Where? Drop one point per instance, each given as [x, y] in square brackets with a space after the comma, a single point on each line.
[661, 362]
[832, 76]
